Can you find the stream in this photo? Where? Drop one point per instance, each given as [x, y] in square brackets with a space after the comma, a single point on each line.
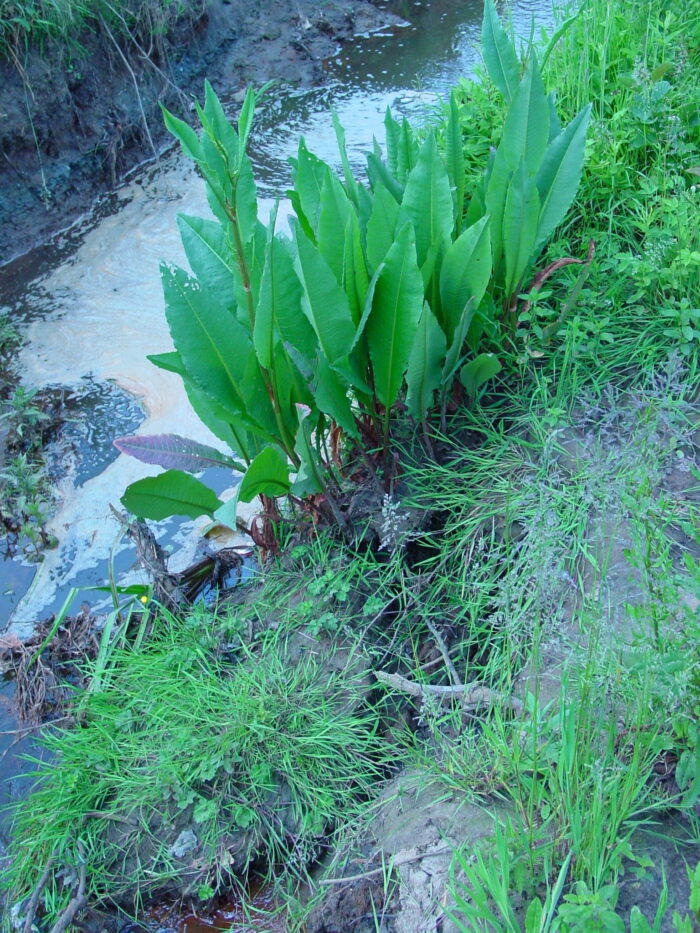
[90, 308]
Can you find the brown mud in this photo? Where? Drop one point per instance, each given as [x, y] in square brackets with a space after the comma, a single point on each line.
[73, 124]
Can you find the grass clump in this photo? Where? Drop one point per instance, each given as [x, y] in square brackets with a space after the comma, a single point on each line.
[190, 763]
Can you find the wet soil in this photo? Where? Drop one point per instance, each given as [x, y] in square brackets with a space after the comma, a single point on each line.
[75, 122]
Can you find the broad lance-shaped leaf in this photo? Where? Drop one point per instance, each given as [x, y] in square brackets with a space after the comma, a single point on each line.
[407, 154]
[526, 128]
[350, 181]
[210, 255]
[278, 312]
[174, 452]
[355, 275]
[309, 174]
[267, 475]
[170, 493]
[324, 302]
[477, 373]
[184, 133]
[381, 226]
[378, 173]
[520, 218]
[245, 119]
[499, 54]
[424, 371]
[427, 200]
[331, 397]
[495, 203]
[392, 135]
[307, 481]
[396, 309]
[465, 273]
[332, 220]
[560, 173]
[454, 159]
[453, 357]
[213, 345]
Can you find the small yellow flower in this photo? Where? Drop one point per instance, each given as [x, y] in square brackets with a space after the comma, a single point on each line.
[144, 599]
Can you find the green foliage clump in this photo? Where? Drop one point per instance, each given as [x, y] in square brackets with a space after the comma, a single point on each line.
[254, 756]
[385, 293]
[638, 199]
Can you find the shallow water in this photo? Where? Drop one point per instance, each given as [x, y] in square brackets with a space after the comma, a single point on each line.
[90, 303]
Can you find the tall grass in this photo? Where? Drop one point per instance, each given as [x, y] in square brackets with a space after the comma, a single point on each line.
[25, 23]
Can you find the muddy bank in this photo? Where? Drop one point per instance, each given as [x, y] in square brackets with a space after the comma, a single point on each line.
[73, 124]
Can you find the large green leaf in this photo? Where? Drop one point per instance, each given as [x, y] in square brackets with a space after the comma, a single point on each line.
[424, 372]
[268, 475]
[309, 172]
[495, 203]
[393, 133]
[323, 300]
[209, 254]
[465, 273]
[245, 118]
[427, 200]
[478, 371]
[381, 226]
[184, 133]
[454, 159]
[332, 220]
[407, 154]
[355, 275]
[520, 219]
[453, 357]
[396, 309]
[526, 128]
[212, 344]
[278, 311]
[560, 174]
[331, 397]
[350, 181]
[169, 493]
[379, 174]
[499, 54]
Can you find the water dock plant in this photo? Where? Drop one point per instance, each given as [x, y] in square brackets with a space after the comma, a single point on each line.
[386, 292]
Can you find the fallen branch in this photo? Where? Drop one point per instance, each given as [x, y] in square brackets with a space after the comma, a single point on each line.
[36, 894]
[393, 863]
[440, 642]
[472, 695]
[76, 903]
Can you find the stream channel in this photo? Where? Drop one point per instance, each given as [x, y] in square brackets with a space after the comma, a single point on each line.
[90, 308]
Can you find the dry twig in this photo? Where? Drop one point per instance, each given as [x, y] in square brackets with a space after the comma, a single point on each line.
[472, 695]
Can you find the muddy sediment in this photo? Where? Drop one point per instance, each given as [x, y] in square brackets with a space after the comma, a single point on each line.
[75, 122]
